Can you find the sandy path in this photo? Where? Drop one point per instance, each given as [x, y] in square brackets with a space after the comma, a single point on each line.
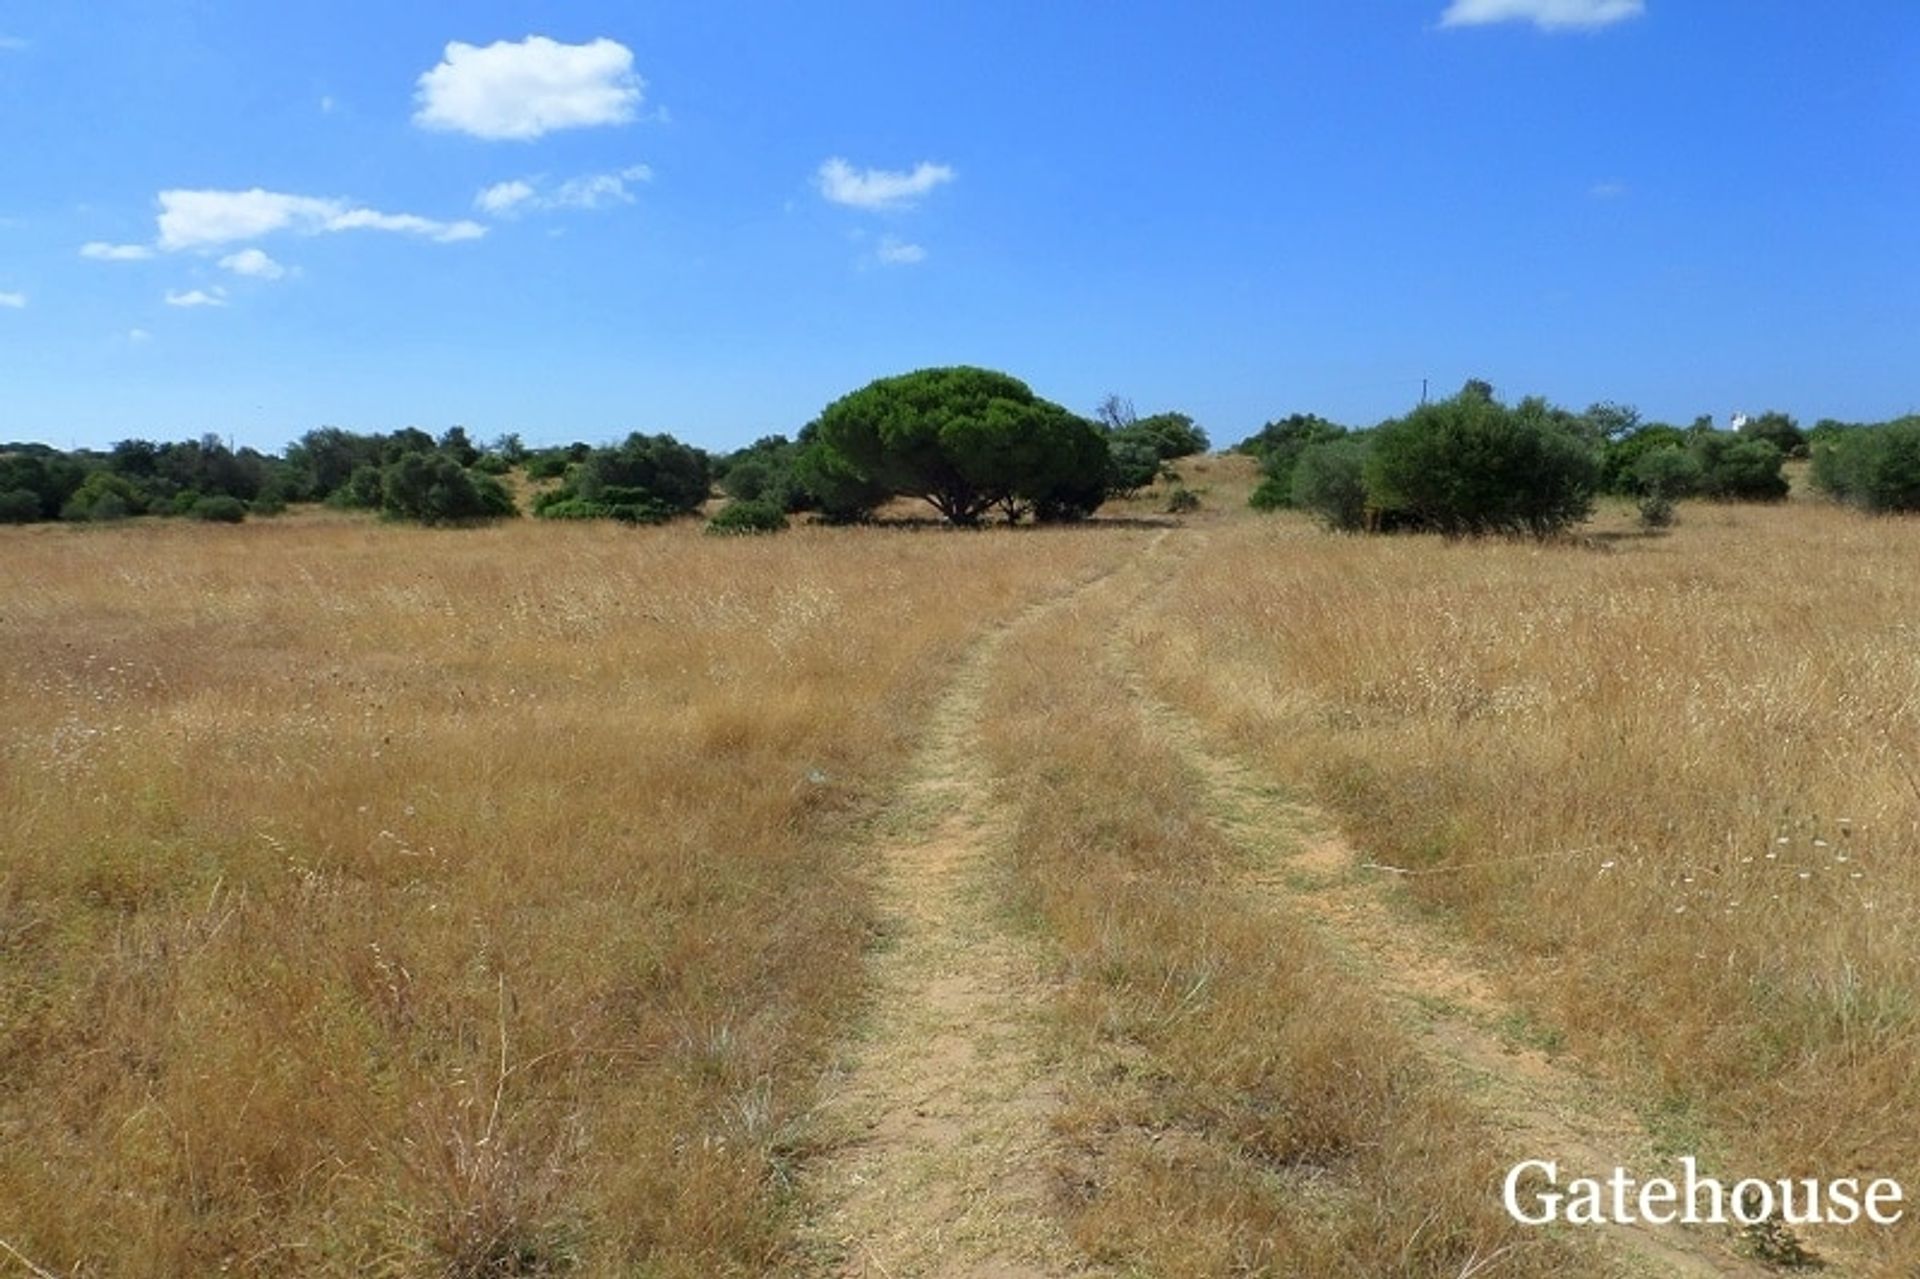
[941, 1152]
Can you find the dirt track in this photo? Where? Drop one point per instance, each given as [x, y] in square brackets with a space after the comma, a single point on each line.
[937, 1121]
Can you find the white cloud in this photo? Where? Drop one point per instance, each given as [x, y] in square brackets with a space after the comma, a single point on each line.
[12, 44]
[405, 223]
[521, 90]
[893, 252]
[253, 262]
[1607, 190]
[137, 336]
[197, 219]
[326, 104]
[596, 190]
[13, 301]
[1548, 15]
[198, 297]
[204, 219]
[841, 183]
[100, 251]
[589, 191]
[501, 197]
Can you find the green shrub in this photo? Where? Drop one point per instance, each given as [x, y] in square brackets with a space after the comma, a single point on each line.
[220, 509]
[1132, 463]
[492, 464]
[748, 480]
[1289, 435]
[1656, 511]
[644, 480]
[1779, 430]
[553, 506]
[1272, 493]
[558, 506]
[51, 477]
[1329, 481]
[1173, 434]
[764, 471]
[1669, 472]
[433, 488]
[1471, 466]
[1620, 463]
[361, 492]
[455, 444]
[656, 469]
[549, 464]
[1876, 468]
[1279, 445]
[1737, 470]
[108, 507]
[741, 516]
[183, 502]
[19, 506]
[103, 496]
[1182, 501]
[510, 448]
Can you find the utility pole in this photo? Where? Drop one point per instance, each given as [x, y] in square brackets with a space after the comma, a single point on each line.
[1423, 391]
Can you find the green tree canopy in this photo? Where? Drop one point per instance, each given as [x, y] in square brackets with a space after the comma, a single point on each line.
[1620, 460]
[1736, 469]
[1876, 468]
[1779, 430]
[644, 479]
[1279, 446]
[965, 440]
[433, 488]
[1173, 435]
[1471, 465]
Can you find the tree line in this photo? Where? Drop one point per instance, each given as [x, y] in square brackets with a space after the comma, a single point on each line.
[1471, 464]
[975, 444]
[972, 443]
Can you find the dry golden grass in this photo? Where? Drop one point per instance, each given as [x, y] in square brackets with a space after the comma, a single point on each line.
[386, 901]
[1667, 784]
[1239, 1103]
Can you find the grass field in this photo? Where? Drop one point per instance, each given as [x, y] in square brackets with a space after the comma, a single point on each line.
[574, 899]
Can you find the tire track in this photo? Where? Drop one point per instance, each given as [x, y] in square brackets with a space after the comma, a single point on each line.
[1543, 1107]
[941, 1156]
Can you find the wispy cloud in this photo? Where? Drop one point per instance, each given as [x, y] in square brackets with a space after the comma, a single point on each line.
[841, 183]
[597, 190]
[503, 197]
[206, 219]
[1548, 15]
[198, 297]
[100, 251]
[1609, 190]
[589, 191]
[519, 90]
[895, 252]
[13, 301]
[11, 44]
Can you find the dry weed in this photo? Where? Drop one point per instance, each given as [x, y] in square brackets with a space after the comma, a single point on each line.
[378, 900]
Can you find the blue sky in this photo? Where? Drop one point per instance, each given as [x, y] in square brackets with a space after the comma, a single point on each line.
[714, 218]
